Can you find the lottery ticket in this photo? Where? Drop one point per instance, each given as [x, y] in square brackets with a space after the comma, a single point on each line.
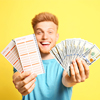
[29, 54]
[11, 54]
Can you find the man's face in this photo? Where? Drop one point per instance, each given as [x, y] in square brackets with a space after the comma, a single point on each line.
[46, 35]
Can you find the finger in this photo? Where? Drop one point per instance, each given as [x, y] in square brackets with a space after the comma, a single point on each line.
[22, 76]
[81, 69]
[65, 74]
[15, 74]
[27, 86]
[25, 81]
[86, 67]
[72, 73]
[29, 90]
[77, 75]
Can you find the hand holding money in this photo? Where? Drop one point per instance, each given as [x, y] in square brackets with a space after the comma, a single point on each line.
[79, 72]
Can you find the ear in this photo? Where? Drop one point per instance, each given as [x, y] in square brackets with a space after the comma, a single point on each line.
[57, 37]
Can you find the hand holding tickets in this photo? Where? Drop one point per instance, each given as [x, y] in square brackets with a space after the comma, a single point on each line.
[68, 50]
[24, 55]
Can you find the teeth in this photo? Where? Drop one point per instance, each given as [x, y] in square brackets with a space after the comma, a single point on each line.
[45, 43]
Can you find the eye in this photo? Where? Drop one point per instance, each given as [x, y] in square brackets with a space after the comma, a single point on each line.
[50, 32]
[38, 32]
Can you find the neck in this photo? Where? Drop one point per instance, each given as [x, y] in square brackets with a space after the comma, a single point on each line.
[46, 56]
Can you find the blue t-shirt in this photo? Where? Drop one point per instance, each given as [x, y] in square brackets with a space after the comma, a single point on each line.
[48, 86]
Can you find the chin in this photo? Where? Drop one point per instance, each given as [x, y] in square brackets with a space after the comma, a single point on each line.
[45, 51]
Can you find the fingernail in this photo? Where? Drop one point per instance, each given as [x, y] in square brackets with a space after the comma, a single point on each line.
[71, 65]
[73, 61]
[29, 72]
[78, 59]
[83, 61]
[79, 81]
[36, 75]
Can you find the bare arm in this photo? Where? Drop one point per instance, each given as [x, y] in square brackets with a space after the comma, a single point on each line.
[78, 73]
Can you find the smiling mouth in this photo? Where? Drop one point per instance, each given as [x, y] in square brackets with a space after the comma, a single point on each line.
[45, 43]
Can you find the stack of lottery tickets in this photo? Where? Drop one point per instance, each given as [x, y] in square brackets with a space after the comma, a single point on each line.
[23, 53]
[68, 50]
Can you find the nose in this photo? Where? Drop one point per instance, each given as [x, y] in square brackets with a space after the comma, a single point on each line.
[45, 35]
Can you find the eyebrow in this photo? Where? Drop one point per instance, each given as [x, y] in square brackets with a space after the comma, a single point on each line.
[38, 29]
[42, 30]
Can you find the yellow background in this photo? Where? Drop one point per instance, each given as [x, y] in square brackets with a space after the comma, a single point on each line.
[77, 19]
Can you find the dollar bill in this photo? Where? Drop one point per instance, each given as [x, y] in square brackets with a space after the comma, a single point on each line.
[54, 52]
[81, 48]
[91, 55]
[68, 50]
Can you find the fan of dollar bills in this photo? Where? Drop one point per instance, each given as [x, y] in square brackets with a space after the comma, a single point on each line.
[68, 50]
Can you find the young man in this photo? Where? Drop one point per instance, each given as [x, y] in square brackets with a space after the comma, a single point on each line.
[54, 84]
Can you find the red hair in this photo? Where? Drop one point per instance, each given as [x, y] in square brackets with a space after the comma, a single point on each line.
[44, 16]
